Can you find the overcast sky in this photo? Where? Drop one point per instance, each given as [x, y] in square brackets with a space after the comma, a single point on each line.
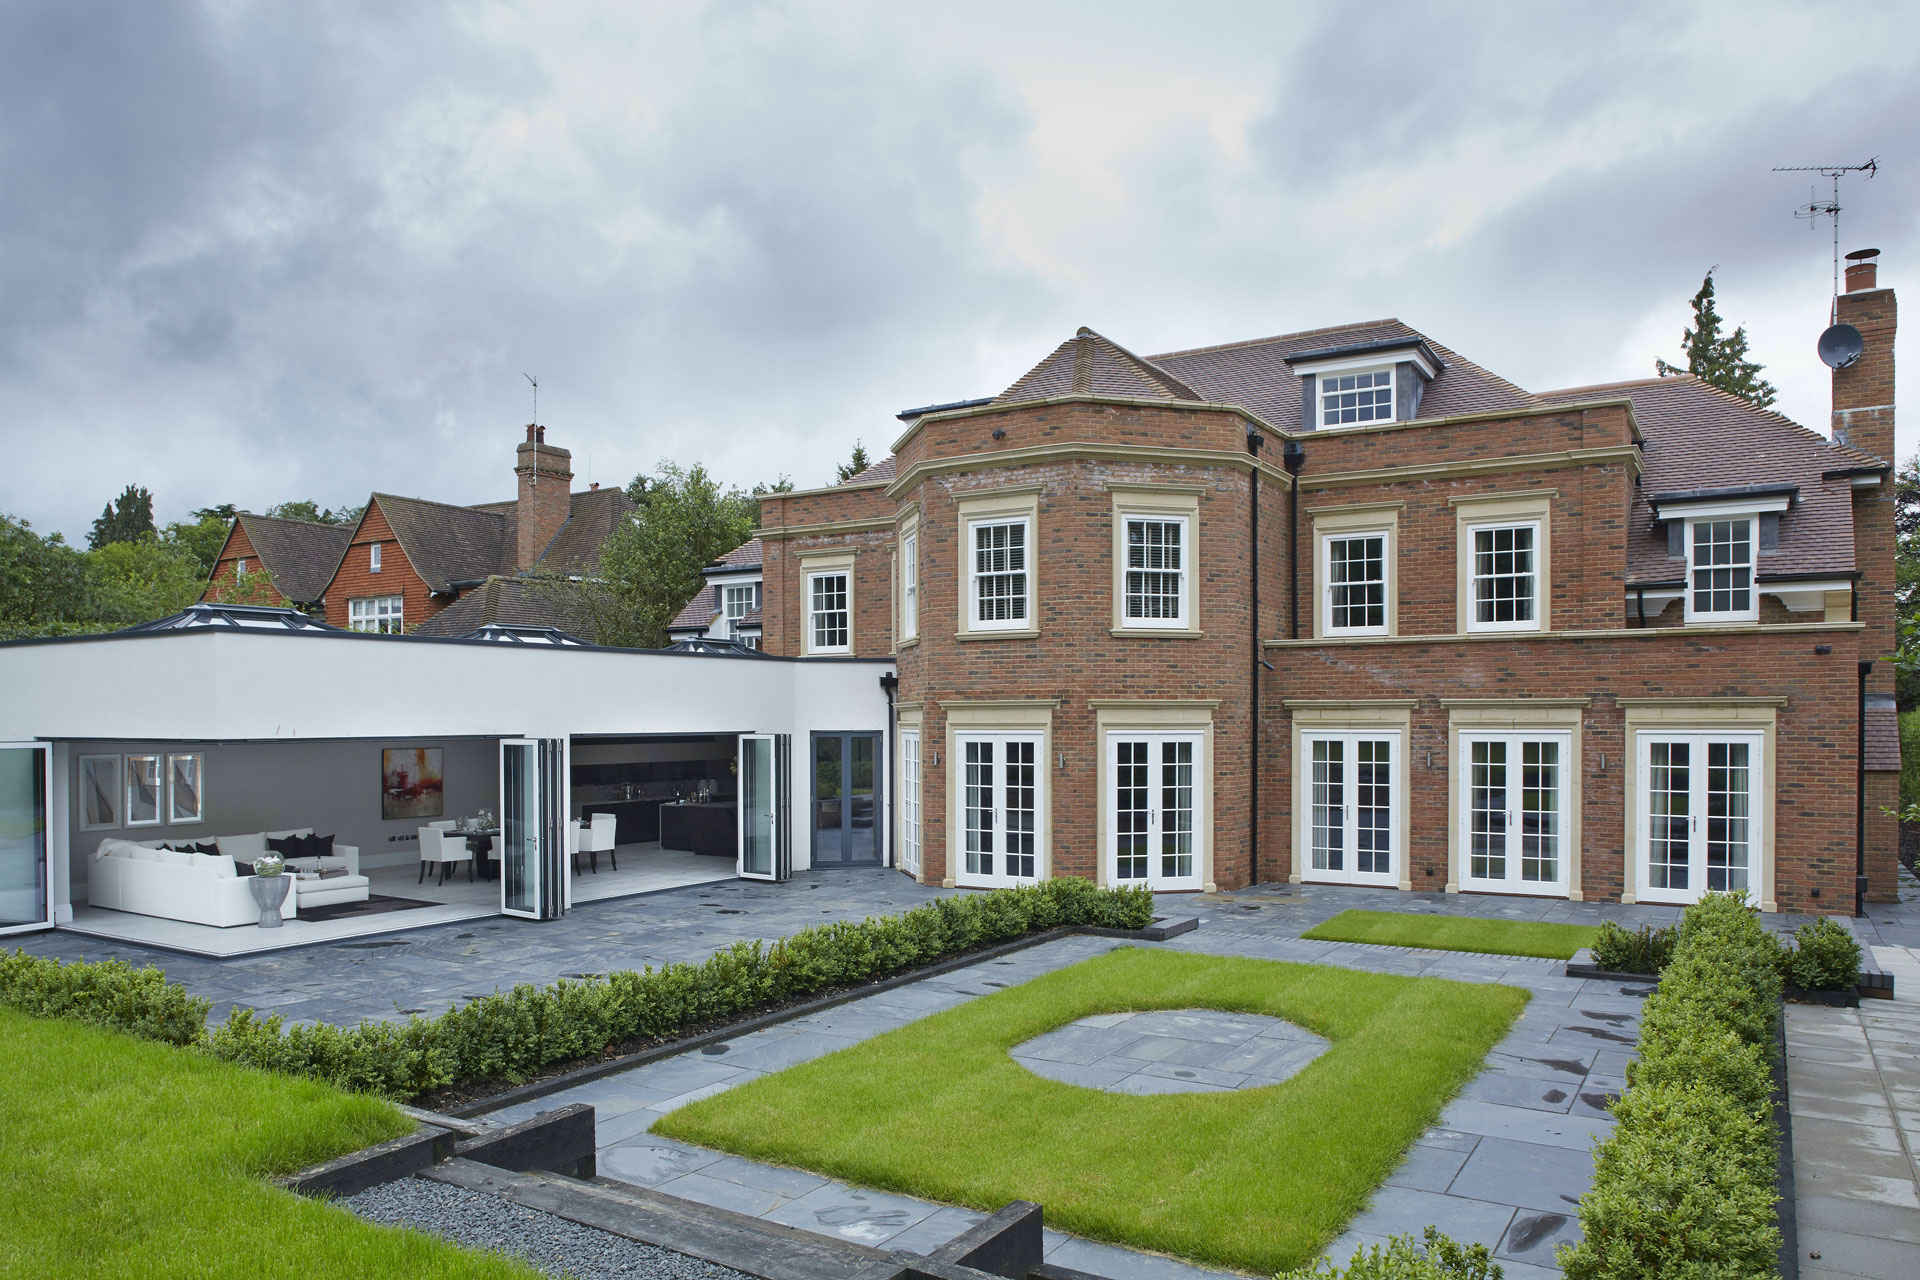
[259, 251]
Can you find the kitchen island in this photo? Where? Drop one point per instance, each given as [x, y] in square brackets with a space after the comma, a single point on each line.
[700, 826]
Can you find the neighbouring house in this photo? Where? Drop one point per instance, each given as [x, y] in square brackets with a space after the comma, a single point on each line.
[727, 607]
[410, 560]
[295, 558]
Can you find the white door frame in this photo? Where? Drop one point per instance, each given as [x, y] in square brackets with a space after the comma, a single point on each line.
[1155, 740]
[46, 835]
[779, 855]
[1759, 807]
[1513, 838]
[997, 808]
[1349, 818]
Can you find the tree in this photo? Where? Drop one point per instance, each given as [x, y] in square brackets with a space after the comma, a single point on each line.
[856, 464]
[128, 517]
[225, 513]
[682, 521]
[313, 513]
[1717, 360]
[783, 485]
[141, 580]
[1906, 581]
[44, 589]
[200, 541]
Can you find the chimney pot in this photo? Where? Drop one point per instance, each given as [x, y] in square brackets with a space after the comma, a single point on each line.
[540, 435]
[1863, 271]
[530, 430]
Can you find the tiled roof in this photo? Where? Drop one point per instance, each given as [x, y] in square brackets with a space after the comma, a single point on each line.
[700, 611]
[514, 601]
[885, 469]
[1089, 364]
[448, 544]
[595, 514]
[1255, 375]
[749, 554]
[1699, 437]
[300, 555]
[1882, 724]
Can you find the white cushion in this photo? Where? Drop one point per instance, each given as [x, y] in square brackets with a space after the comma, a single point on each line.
[174, 859]
[221, 865]
[113, 847]
[142, 853]
[244, 848]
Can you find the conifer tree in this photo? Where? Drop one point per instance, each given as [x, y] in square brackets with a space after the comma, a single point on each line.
[1719, 360]
[127, 518]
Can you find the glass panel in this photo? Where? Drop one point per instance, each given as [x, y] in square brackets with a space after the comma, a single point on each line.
[1357, 581]
[143, 791]
[861, 842]
[1176, 810]
[1373, 806]
[1329, 804]
[756, 806]
[910, 585]
[1154, 569]
[1021, 815]
[1503, 574]
[183, 788]
[829, 801]
[1722, 566]
[1540, 812]
[23, 836]
[99, 792]
[1729, 791]
[1356, 397]
[1487, 812]
[910, 801]
[1000, 571]
[978, 800]
[1669, 806]
[519, 828]
[828, 605]
[1130, 810]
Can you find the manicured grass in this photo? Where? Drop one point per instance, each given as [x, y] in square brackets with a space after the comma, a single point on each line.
[123, 1157]
[1261, 1179]
[1456, 933]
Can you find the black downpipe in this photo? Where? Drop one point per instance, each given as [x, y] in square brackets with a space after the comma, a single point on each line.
[1293, 457]
[1254, 441]
[1860, 797]
[888, 683]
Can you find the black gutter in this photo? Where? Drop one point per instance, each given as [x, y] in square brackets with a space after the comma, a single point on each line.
[1860, 797]
[1728, 491]
[1293, 457]
[1254, 442]
[889, 681]
[908, 415]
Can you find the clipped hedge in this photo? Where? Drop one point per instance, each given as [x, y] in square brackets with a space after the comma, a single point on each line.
[1644, 950]
[1825, 957]
[1684, 1186]
[513, 1035]
[1432, 1257]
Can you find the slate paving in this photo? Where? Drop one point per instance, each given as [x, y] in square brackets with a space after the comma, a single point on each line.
[1172, 1051]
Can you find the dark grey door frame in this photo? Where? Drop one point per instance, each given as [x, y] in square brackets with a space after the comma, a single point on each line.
[845, 738]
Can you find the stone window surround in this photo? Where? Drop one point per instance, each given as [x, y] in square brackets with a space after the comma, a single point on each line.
[1689, 523]
[1155, 715]
[1351, 520]
[1350, 715]
[1514, 715]
[907, 723]
[1703, 715]
[1022, 715]
[906, 623]
[992, 506]
[1157, 501]
[813, 564]
[1526, 506]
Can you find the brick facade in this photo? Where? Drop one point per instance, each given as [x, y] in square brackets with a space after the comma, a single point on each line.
[355, 579]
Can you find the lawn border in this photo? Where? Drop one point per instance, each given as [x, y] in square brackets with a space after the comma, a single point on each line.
[1160, 930]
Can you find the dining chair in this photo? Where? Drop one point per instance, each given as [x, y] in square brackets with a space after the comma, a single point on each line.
[601, 840]
[574, 842]
[444, 848]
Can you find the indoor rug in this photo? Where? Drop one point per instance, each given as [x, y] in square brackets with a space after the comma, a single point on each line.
[376, 904]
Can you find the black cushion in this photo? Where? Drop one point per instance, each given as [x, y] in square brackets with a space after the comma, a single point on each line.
[207, 846]
[242, 867]
[319, 846]
[286, 846]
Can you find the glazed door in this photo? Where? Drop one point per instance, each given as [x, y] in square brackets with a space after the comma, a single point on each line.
[845, 809]
[1001, 783]
[1351, 807]
[1154, 815]
[765, 825]
[1701, 805]
[1513, 809]
[533, 836]
[25, 784]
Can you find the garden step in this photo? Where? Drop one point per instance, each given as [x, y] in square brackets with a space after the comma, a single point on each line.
[751, 1245]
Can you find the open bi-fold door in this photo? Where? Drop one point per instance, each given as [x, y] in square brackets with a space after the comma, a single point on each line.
[25, 784]
[533, 831]
[766, 825]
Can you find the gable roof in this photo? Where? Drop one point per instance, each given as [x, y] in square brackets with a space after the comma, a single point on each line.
[699, 612]
[299, 555]
[449, 545]
[1090, 364]
[509, 601]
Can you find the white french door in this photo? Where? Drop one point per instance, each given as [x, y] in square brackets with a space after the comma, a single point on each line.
[1154, 816]
[1351, 805]
[1001, 783]
[1513, 812]
[765, 818]
[534, 865]
[25, 886]
[1701, 805]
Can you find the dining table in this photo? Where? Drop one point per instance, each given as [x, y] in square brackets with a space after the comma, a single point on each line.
[480, 840]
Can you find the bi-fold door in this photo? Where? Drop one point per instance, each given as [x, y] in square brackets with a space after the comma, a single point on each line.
[1352, 804]
[533, 833]
[1001, 785]
[1513, 812]
[1154, 813]
[766, 818]
[25, 783]
[1699, 815]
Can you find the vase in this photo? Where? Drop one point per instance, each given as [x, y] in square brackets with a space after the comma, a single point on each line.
[270, 892]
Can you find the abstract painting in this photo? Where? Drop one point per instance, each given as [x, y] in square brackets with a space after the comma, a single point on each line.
[410, 783]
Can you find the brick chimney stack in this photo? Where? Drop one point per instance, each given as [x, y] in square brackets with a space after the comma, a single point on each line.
[546, 494]
[1863, 418]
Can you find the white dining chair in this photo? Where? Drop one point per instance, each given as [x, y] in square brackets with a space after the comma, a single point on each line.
[447, 824]
[574, 840]
[599, 839]
[444, 848]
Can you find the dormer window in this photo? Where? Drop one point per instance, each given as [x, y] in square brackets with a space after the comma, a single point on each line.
[1362, 396]
[1720, 570]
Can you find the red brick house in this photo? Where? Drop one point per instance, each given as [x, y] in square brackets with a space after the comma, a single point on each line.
[297, 557]
[1344, 606]
[433, 568]
[727, 607]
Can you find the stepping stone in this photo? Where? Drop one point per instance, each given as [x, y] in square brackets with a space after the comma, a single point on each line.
[1171, 1051]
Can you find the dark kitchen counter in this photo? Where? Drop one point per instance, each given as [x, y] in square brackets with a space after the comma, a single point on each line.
[635, 821]
[709, 827]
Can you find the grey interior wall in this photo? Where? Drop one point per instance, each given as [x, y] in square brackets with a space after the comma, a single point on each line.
[333, 787]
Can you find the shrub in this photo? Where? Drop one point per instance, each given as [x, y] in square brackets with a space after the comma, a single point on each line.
[1645, 950]
[512, 1035]
[1436, 1257]
[1684, 1186]
[1825, 957]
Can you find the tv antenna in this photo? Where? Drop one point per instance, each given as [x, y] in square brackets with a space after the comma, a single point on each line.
[536, 390]
[1816, 208]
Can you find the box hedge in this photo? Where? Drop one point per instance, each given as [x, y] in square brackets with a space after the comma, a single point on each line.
[513, 1035]
[1684, 1186]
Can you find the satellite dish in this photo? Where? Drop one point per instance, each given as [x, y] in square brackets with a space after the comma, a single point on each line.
[1840, 346]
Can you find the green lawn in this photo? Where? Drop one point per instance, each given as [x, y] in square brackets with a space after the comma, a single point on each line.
[1261, 1179]
[123, 1157]
[1456, 933]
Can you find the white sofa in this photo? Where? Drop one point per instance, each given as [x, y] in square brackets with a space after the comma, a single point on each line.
[199, 888]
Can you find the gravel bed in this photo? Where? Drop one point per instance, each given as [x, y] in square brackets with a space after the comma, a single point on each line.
[554, 1245]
